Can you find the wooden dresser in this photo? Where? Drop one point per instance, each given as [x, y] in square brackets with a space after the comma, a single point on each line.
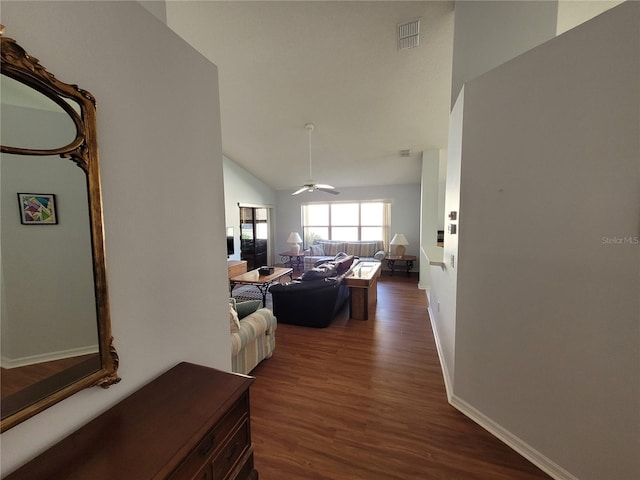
[191, 423]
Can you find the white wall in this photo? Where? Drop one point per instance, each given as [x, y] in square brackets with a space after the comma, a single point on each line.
[444, 279]
[161, 162]
[572, 13]
[405, 211]
[240, 186]
[547, 320]
[157, 7]
[488, 33]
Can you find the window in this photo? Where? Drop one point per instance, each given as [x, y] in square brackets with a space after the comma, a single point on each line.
[346, 221]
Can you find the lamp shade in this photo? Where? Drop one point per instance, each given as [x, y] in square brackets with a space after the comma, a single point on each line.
[399, 240]
[294, 239]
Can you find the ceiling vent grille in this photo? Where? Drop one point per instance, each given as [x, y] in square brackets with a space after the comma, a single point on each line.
[409, 34]
[406, 153]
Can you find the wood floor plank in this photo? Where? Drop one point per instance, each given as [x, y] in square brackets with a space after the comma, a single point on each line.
[365, 400]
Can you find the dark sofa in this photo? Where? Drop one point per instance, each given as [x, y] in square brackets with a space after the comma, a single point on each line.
[315, 300]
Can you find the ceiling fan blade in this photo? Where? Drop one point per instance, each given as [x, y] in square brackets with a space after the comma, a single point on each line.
[300, 190]
[323, 185]
[328, 190]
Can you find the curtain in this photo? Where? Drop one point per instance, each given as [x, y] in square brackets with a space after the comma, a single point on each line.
[386, 225]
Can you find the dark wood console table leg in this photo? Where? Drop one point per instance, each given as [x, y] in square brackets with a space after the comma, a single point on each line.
[392, 265]
[409, 267]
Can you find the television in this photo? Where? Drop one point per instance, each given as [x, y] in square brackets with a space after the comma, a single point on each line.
[230, 242]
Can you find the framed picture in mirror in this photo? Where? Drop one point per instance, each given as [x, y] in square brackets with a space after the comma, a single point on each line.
[37, 208]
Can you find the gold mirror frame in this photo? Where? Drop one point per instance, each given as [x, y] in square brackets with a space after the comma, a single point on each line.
[83, 150]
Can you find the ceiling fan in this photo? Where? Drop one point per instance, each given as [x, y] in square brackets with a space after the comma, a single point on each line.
[311, 186]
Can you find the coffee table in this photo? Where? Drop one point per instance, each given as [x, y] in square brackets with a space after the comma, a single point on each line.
[363, 289]
[262, 282]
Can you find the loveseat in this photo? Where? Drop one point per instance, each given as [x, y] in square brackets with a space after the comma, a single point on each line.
[316, 297]
[368, 251]
[253, 335]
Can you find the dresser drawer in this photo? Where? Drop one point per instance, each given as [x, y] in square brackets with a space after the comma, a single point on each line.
[239, 412]
[200, 459]
[231, 452]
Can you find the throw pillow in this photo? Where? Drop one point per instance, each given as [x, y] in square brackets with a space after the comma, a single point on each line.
[234, 322]
[379, 255]
[247, 308]
[317, 250]
[344, 264]
[325, 270]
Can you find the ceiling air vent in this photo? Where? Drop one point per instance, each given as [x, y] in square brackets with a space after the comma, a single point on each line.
[406, 153]
[409, 34]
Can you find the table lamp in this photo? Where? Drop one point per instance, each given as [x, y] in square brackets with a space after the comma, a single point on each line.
[399, 240]
[294, 239]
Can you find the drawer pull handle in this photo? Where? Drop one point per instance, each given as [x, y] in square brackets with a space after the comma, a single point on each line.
[208, 445]
[232, 451]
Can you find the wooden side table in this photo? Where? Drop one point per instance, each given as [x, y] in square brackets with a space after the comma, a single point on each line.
[407, 259]
[293, 260]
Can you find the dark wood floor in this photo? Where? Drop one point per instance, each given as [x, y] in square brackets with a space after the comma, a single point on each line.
[366, 400]
[15, 379]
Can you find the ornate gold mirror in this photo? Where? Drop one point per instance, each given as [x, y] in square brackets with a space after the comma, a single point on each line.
[55, 325]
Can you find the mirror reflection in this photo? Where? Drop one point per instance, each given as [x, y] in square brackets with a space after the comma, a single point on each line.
[54, 310]
[32, 120]
[48, 301]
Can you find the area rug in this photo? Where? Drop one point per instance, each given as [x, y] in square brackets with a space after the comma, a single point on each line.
[242, 293]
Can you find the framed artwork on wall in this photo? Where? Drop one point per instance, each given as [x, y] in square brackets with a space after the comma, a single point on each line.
[37, 208]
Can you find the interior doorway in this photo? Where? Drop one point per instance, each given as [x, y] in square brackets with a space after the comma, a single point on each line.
[254, 236]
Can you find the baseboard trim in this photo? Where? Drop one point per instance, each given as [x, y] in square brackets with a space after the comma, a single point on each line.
[47, 357]
[524, 449]
[504, 435]
[448, 381]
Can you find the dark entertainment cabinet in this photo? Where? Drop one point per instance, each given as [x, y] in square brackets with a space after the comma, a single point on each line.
[254, 234]
[191, 423]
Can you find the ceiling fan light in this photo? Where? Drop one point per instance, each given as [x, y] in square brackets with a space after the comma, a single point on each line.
[311, 186]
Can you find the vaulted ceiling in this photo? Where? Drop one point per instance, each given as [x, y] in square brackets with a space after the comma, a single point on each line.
[336, 65]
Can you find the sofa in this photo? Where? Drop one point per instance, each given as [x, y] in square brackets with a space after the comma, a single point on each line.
[253, 334]
[325, 250]
[317, 296]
